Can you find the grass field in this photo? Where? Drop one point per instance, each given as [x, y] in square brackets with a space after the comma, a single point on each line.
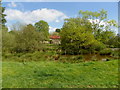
[54, 74]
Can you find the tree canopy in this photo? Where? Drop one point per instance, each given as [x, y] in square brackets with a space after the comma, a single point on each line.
[76, 35]
[86, 32]
[2, 17]
[42, 27]
[100, 23]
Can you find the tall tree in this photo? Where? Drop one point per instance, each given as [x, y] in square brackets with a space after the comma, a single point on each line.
[28, 39]
[76, 34]
[99, 22]
[2, 16]
[42, 27]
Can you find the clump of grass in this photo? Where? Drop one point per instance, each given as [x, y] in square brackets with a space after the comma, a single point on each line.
[79, 57]
[94, 58]
[71, 59]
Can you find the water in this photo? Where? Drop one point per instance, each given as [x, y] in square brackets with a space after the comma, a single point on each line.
[91, 57]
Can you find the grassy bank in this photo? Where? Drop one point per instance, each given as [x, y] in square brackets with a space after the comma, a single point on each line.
[54, 74]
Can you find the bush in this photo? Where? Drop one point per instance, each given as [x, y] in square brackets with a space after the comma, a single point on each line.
[106, 51]
[116, 53]
[83, 51]
[8, 41]
[97, 46]
[71, 59]
[94, 58]
[79, 57]
[28, 40]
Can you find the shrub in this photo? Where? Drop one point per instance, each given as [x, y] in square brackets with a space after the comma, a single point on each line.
[116, 53]
[71, 59]
[83, 51]
[97, 46]
[8, 41]
[94, 58]
[106, 51]
[28, 40]
[79, 57]
[76, 59]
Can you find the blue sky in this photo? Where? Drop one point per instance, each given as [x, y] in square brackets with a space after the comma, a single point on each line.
[54, 12]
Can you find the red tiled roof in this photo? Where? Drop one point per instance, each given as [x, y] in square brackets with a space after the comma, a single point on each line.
[54, 37]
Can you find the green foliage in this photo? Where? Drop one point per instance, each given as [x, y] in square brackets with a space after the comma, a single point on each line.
[43, 27]
[79, 33]
[58, 30]
[106, 51]
[8, 41]
[114, 42]
[102, 14]
[97, 46]
[106, 36]
[79, 57]
[85, 51]
[76, 35]
[101, 32]
[2, 17]
[72, 59]
[116, 53]
[28, 40]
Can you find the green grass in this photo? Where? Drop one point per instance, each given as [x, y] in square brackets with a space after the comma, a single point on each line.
[54, 74]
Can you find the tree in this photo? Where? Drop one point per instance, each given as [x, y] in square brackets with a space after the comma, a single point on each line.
[4, 36]
[8, 41]
[2, 17]
[28, 40]
[76, 34]
[17, 26]
[99, 22]
[42, 27]
[114, 41]
[106, 36]
[57, 30]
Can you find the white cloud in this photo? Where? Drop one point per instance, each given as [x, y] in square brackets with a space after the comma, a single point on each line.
[52, 29]
[12, 4]
[49, 15]
[57, 21]
[97, 21]
[104, 23]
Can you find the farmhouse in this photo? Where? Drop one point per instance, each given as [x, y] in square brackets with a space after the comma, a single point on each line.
[54, 39]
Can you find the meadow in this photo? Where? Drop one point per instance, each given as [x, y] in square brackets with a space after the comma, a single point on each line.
[43, 73]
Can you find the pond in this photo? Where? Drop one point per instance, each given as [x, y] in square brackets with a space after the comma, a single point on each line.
[89, 57]
[93, 57]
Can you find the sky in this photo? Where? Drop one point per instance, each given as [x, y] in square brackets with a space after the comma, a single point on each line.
[53, 12]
